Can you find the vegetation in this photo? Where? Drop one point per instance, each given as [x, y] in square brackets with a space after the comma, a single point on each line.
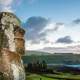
[38, 69]
[37, 77]
[63, 76]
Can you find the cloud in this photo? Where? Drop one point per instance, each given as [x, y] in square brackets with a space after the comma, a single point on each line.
[40, 32]
[46, 35]
[6, 2]
[38, 28]
[7, 5]
[66, 39]
[34, 26]
[71, 48]
[76, 21]
[52, 27]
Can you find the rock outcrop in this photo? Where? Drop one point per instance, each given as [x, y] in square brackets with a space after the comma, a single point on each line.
[12, 47]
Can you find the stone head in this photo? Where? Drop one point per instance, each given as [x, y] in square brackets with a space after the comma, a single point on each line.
[11, 33]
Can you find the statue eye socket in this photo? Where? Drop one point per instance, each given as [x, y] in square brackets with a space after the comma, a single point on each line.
[17, 28]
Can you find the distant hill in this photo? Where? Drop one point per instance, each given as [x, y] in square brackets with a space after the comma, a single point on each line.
[29, 53]
[57, 58]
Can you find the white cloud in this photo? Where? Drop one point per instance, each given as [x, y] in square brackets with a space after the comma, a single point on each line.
[6, 9]
[6, 2]
[7, 5]
[54, 31]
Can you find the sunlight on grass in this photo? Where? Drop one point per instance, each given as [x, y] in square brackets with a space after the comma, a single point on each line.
[51, 77]
[38, 77]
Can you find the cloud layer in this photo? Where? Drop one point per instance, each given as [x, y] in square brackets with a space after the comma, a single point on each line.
[43, 33]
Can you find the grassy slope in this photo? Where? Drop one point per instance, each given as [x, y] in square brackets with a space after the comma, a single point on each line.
[63, 76]
[38, 77]
[52, 77]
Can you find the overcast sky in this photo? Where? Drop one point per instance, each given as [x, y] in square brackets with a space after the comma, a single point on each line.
[51, 25]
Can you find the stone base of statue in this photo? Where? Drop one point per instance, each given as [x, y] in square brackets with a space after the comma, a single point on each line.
[11, 66]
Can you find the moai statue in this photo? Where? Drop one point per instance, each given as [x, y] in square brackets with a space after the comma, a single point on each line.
[11, 47]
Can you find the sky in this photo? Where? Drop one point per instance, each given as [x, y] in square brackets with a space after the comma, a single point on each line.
[50, 25]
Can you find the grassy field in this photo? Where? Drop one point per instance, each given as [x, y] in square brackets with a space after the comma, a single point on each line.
[38, 77]
[52, 77]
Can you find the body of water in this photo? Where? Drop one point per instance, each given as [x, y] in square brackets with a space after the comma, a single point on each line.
[78, 65]
[73, 65]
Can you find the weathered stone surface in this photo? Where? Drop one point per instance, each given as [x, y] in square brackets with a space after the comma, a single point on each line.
[12, 47]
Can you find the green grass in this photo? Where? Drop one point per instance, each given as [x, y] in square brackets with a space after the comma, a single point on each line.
[52, 77]
[63, 77]
[38, 77]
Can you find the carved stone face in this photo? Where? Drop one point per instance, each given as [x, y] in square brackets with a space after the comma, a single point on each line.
[11, 46]
[12, 33]
[19, 40]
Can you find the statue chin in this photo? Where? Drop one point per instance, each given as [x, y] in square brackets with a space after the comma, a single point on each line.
[12, 66]
[16, 72]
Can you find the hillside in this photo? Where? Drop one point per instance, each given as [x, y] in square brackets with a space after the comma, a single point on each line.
[29, 53]
[57, 58]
